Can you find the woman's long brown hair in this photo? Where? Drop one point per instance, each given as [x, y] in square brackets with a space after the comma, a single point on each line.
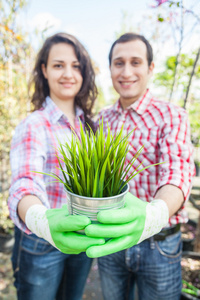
[88, 92]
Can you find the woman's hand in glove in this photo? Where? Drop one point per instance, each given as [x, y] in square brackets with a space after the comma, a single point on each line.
[58, 228]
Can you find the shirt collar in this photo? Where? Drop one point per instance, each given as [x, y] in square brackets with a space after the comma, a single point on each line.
[140, 106]
[55, 113]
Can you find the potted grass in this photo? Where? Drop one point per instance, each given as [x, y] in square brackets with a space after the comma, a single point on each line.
[191, 256]
[190, 264]
[94, 169]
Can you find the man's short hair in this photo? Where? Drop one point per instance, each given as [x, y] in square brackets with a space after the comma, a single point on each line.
[128, 37]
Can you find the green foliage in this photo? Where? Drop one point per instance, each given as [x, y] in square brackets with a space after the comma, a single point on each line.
[171, 63]
[16, 58]
[11, 38]
[194, 117]
[160, 18]
[190, 289]
[185, 67]
[6, 224]
[165, 79]
[95, 163]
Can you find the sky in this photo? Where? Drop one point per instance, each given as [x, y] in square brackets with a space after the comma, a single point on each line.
[93, 22]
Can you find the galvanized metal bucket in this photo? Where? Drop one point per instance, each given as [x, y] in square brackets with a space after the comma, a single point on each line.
[88, 206]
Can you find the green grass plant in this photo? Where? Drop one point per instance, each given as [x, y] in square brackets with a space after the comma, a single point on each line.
[93, 165]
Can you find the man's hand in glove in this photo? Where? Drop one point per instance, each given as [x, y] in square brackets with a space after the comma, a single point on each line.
[127, 226]
[57, 227]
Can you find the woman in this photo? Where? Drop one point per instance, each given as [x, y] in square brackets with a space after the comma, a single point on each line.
[44, 263]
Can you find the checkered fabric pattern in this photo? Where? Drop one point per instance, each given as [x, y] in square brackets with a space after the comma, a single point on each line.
[164, 131]
[34, 149]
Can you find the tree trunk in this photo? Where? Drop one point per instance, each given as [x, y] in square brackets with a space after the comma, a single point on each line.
[179, 51]
[190, 80]
[197, 239]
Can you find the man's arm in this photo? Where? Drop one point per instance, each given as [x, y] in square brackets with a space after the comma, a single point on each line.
[128, 226]
[137, 221]
[173, 197]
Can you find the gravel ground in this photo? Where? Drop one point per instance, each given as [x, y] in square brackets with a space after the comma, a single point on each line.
[7, 290]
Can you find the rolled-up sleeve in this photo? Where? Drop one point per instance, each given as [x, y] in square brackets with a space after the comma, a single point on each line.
[26, 156]
[176, 151]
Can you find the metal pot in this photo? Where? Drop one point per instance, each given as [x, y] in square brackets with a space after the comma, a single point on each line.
[89, 206]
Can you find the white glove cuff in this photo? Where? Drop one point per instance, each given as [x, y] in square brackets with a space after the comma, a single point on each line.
[157, 217]
[37, 222]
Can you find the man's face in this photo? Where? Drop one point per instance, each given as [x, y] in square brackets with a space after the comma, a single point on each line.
[130, 71]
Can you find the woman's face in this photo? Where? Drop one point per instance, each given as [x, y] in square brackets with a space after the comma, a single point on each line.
[63, 73]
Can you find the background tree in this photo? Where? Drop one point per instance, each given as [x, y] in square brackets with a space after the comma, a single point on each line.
[164, 79]
[184, 24]
[16, 58]
[180, 76]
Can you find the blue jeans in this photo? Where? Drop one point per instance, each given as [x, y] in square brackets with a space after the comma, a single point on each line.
[43, 272]
[154, 266]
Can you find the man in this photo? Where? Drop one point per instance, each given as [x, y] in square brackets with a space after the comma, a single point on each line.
[148, 229]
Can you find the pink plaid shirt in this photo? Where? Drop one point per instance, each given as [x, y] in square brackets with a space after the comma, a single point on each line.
[33, 149]
[164, 131]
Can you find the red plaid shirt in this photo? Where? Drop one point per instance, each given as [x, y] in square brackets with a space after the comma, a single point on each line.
[33, 149]
[164, 131]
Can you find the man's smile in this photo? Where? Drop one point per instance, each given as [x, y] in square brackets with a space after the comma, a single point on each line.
[127, 84]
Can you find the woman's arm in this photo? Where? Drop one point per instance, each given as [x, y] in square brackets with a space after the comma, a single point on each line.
[25, 203]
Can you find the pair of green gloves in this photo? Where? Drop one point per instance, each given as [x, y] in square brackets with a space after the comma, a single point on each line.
[124, 227]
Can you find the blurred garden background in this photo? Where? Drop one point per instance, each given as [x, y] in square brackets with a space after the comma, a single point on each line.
[172, 27]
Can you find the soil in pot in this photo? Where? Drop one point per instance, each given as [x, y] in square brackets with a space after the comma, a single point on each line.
[190, 264]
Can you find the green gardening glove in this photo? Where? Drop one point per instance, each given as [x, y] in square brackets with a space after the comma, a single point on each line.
[57, 227]
[127, 226]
